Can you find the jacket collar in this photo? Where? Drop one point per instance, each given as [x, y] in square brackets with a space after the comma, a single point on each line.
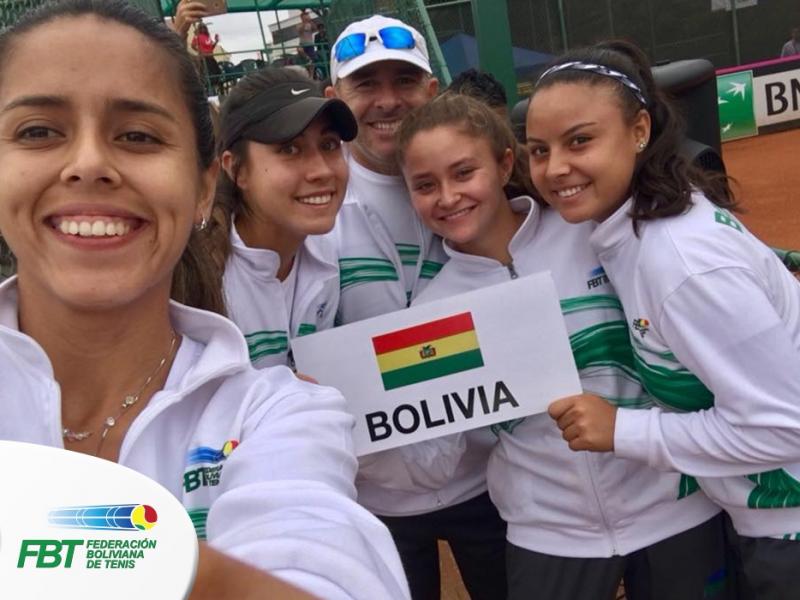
[612, 233]
[224, 350]
[315, 249]
[264, 262]
[523, 236]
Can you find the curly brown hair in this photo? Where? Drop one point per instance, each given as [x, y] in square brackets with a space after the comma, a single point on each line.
[475, 119]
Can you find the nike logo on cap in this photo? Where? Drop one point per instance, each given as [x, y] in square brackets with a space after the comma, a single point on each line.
[298, 92]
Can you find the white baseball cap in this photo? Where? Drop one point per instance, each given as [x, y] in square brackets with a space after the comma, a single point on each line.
[375, 50]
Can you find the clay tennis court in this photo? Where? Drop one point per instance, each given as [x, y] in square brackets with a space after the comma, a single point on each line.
[768, 173]
[767, 170]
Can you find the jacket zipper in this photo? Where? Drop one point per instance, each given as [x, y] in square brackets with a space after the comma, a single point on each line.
[390, 250]
[422, 236]
[511, 270]
[603, 517]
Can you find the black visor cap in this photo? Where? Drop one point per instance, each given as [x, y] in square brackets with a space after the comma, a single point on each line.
[290, 121]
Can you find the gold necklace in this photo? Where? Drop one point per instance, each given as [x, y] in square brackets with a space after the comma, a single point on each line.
[129, 400]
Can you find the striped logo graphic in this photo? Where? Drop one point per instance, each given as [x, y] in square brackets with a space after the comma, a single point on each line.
[357, 271]
[199, 517]
[427, 351]
[125, 517]
[265, 343]
[596, 272]
[205, 454]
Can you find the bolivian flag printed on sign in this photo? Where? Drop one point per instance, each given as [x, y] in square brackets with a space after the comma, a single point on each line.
[427, 351]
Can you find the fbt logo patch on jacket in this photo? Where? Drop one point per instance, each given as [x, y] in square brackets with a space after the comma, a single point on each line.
[597, 277]
[204, 465]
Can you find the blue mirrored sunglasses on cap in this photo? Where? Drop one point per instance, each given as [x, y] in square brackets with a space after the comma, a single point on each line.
[355, 44]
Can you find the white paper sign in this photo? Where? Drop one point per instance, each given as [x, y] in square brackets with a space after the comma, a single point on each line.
[76, 527]
[491, 355]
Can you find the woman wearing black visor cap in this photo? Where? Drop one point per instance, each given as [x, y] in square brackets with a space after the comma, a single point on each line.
[283, 183]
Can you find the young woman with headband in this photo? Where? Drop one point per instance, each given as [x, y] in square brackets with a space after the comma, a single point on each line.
[713, 315]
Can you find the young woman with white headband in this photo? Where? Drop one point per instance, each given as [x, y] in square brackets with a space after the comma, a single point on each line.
[713, 315]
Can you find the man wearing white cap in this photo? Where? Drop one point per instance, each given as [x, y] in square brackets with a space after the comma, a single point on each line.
[380, 68]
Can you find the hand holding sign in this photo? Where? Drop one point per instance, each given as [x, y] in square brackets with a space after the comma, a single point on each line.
[586, 421]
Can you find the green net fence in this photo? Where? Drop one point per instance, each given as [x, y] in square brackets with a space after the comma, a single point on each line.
[152, 7]
[11, 10]
[168, 6]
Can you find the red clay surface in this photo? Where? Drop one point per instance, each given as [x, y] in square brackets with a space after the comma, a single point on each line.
[767, 169]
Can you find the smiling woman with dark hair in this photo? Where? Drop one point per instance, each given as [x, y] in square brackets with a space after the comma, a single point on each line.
[108, 169]
[283, 181]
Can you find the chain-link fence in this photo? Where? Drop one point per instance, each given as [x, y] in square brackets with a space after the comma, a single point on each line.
[11, 10]
[151, 7]
[726, 32]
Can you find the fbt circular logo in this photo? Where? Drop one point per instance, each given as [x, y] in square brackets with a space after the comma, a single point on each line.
[88, 528]
[113, 517]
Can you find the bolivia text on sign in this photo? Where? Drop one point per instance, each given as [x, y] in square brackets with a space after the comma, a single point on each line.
[490, 355]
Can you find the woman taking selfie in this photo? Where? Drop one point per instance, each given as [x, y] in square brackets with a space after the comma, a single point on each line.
[107, 166]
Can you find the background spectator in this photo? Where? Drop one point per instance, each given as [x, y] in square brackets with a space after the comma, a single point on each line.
[483, 87]
[792, 47]
[187, 14]
[204, 45]
[306, 31]
[323, 49]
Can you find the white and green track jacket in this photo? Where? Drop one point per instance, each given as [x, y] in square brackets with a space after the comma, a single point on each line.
[557, 501]
[257, 300]
[372, 279]
[373, 282]
[262, 461]
[715, 322]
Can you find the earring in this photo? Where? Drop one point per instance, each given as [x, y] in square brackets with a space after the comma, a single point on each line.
[642, 145]
[202, 225]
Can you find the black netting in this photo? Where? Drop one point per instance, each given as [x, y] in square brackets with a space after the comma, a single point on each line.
[10, 10]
